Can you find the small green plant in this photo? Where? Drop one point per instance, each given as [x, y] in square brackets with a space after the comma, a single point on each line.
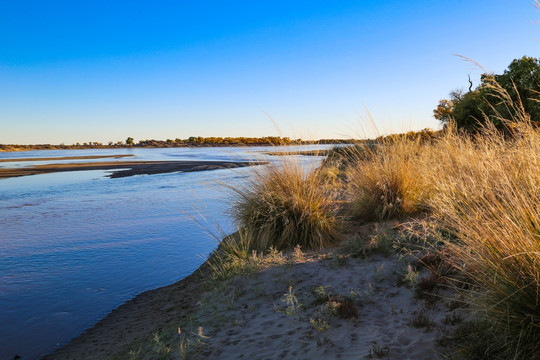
[362, 246]
[134, 354]
[318, 324]
[183, 345]
[411, 276]
[291, 302]
[336, 260]
[190, 346]
[353, 294]
[230, 299]
[321, 294]
[298, 254]
[162, 350]
[366, 297]
[379, 274]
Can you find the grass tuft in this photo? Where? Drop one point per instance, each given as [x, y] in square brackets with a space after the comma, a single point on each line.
[384, 180]
[284, 205]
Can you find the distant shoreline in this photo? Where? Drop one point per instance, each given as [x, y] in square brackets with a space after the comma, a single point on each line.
[173, 144]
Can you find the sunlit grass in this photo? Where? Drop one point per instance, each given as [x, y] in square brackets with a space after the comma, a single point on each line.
[285, 204]
[481, 194]
[487, 195]
[385, 181]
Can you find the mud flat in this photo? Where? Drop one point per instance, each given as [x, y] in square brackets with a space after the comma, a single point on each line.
[126, 168]
[65, 158]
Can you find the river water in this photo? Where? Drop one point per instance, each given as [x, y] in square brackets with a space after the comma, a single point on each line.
[75, 245]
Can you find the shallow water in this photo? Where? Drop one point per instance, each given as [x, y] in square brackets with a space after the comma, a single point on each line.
[75, 245]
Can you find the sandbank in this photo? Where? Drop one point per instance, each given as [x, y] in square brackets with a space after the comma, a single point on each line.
[301, 152]
[125, 168]
[65, 158]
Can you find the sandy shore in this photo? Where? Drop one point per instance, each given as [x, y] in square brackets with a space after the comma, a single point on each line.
[129, 168]
[318, 305]
[305, 153]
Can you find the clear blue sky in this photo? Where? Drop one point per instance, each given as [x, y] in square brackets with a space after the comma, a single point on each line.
[76, 71]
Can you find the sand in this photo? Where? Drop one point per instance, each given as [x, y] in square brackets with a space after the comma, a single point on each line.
[135, 320]
[304, 153]
[65, 158]
[125, 168]
[248, 317]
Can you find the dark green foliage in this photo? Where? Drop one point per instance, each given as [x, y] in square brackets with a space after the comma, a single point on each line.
[520, 82]
[525, 75]
[469, 109]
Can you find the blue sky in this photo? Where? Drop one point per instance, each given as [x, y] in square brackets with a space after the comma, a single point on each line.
[74, 71]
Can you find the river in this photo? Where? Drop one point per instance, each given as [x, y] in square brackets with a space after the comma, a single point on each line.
[75, 245]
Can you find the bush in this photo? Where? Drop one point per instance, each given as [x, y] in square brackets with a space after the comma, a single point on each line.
[384, 180]
[284, 205]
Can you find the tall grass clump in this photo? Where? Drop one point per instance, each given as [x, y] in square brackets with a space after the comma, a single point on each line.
[284, 205]
[384, 180]
[486, 194]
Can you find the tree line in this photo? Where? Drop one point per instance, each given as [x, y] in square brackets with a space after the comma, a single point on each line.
[498, 98]
[191, 141]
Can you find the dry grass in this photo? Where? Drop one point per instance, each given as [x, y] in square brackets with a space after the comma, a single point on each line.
[235, 256]
[483, 196]
[488, 197]
[384, 180]
[286, 204]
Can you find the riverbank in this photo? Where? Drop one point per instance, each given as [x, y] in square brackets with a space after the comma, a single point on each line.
[126, 168]
[329, 304]
[67, 158]
[428, 249]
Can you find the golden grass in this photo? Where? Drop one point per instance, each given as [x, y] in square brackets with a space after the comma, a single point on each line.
[384, 180]
[487, 194]
[483, 195]
[285, 204]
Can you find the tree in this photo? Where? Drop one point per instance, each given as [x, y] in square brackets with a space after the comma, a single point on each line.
[520, 81]
[444, 110]
[129, 141]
